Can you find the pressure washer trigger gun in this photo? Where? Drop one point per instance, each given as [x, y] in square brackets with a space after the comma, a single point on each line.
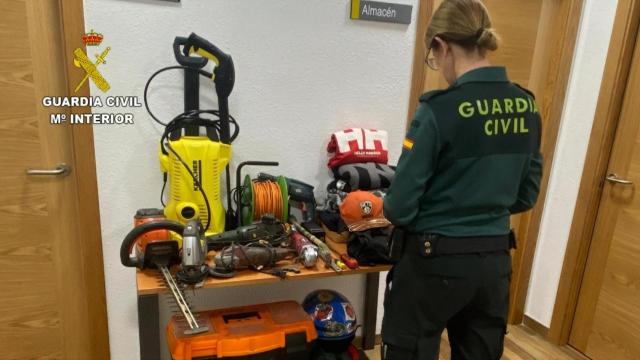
[224, 71]
[181, 53]
[224, 75]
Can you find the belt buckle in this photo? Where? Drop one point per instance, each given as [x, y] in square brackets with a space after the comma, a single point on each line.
[428, 244]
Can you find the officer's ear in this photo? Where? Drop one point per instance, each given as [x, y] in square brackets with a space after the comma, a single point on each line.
[440, 46]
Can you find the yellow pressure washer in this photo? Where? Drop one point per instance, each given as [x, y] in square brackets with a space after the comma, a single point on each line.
[194, 148]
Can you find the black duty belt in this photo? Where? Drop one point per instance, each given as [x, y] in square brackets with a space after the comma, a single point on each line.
[434, 244]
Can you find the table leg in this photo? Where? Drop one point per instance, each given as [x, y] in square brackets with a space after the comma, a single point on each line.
[149, 327]
[370, 311]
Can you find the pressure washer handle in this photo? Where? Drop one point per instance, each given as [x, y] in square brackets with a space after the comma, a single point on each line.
[184, 59]
[224, 71]
[224, 77]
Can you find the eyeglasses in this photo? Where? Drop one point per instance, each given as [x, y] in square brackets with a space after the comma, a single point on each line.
[430, 60]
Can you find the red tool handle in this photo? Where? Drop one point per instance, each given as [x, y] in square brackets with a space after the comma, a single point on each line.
[349, 261]
[299, 241]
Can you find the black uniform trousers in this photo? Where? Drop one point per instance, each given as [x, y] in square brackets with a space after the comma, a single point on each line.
[467, 294]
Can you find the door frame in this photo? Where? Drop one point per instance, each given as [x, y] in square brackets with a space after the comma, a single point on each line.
[550, 71]
[612, 89]
[84, 169]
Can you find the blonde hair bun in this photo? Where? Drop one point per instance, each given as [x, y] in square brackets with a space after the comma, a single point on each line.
[488, 40]
[464, 22]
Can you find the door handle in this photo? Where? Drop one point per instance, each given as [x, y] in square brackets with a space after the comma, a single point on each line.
[61, 170]
[613, 178]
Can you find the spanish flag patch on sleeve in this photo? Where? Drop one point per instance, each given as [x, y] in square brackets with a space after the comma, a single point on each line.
[407, 144]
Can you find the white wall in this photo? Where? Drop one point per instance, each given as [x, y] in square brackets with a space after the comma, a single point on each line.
[303, 70]
[577, 120]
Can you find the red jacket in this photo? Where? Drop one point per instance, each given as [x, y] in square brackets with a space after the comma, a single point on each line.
[352, 146]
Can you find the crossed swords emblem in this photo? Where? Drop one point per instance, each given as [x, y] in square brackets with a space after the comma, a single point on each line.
[81, 60]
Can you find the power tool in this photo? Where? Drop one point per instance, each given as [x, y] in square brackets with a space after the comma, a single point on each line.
[307, 252]
[194, 268]
[256, 256]
[269, 229]
[143, 216]
[163, 252]
[323, 250]
[192, 160]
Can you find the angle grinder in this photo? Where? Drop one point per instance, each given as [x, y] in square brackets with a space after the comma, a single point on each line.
[269, 229]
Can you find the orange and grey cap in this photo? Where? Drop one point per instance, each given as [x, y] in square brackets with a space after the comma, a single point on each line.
[362, 210]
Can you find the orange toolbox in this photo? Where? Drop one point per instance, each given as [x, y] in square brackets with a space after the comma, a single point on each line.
[281, 330]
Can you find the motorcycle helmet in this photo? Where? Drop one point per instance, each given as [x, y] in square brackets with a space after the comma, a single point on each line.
[334, 318]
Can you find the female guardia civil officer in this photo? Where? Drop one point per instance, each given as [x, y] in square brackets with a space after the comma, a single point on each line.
[471, 159]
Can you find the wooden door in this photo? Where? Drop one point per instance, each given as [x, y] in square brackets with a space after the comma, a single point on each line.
[516, 22]
[46, 309]
[607, 319]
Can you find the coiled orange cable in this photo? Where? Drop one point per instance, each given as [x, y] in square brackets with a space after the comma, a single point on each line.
[267, 199]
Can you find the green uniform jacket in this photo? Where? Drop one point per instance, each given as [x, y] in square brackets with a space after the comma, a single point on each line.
[471, 158]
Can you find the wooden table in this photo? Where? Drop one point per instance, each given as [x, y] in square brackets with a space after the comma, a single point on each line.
[150, 285]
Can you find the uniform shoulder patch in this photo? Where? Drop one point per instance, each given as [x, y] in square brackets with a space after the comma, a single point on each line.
[407, 144]
[525, 90]
[431, 94]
